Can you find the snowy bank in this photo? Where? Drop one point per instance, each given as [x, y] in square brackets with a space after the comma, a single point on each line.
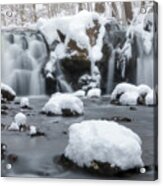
[63, 104]
[7, 92]
[105, 142]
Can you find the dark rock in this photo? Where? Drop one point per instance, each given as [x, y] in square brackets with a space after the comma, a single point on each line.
[23, 128]
[69, 113]
[4, 107]
[3, 112]
[3, 150]
[27, 107]
[64, 132]
[103, 169]
[39, 133]
[3, 126]
[118, 119]
[7, 95]
[12, 158]
[133, 108]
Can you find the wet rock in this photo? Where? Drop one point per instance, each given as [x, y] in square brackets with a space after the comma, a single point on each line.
[27, 107]
[3, 150]
[118, 119]
[68, 113]
[37, 134]
[99, 168]
[64, 132]
[12, 158]
[7, 92]
[3, 126]
[4, 107]
[3, 112]
[133, 108]
[23, 128]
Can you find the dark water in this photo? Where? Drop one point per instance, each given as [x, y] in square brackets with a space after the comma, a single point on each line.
[36, 155]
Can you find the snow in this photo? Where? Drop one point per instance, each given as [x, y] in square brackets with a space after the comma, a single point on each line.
[14, 126]
[32, 130]
[20, 119]
[129, 98]
[150, 98]
[143, 89]
[122, 88]
[128, 94]
[24, 102]
[79, 93]
[7, 89]
[104, 141]
[74, 28]
[94, 93]
[59, 101]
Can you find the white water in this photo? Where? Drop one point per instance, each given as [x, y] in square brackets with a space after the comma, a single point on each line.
[111, 68]
[21, 63]
[145, 66]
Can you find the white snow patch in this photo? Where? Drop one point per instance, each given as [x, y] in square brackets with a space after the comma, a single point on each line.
[79, 93]
[150, 98]
[14, 126]
[32, 130]
[24, 102]
[94, 93]
[61, 101]
[122, 88]
[20, 119]
[129, 98]
[143, 89]
[104, 141]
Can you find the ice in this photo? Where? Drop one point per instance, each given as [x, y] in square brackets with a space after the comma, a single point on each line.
[58, 102]
[104, 141]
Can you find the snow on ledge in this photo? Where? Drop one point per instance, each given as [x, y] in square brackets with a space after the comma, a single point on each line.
[104, 141]
[58, 102]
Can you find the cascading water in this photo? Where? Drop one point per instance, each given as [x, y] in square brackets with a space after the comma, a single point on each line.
[22, 57]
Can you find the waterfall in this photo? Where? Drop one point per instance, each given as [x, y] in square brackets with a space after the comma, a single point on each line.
[111, 69]
[22, 57]
[145, 65]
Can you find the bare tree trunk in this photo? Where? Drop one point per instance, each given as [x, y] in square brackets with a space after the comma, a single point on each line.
[100, 7]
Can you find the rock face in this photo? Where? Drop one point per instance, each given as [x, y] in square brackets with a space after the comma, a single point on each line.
[7, 92]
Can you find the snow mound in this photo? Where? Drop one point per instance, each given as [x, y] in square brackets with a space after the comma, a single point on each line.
[150, 98]
[94, 93]
[122, 88]
[32, 130]
[129, 98]
[104, 141]
[7, 92]
[143, 89]
[128, 94]
[79, 93]
[24, 102]
[13, 127]
[59, 103]
[20, 119]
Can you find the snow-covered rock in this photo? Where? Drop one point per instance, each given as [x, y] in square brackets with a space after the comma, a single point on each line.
[7, 92]
[24, 102]
[104, 141]
[122, 88]
[94, 93]
[150, 98]
[79, 93]
[129, 98]
[32, 130]
[60, 103]
[14, 126]
[143, 89]
[20, 119]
